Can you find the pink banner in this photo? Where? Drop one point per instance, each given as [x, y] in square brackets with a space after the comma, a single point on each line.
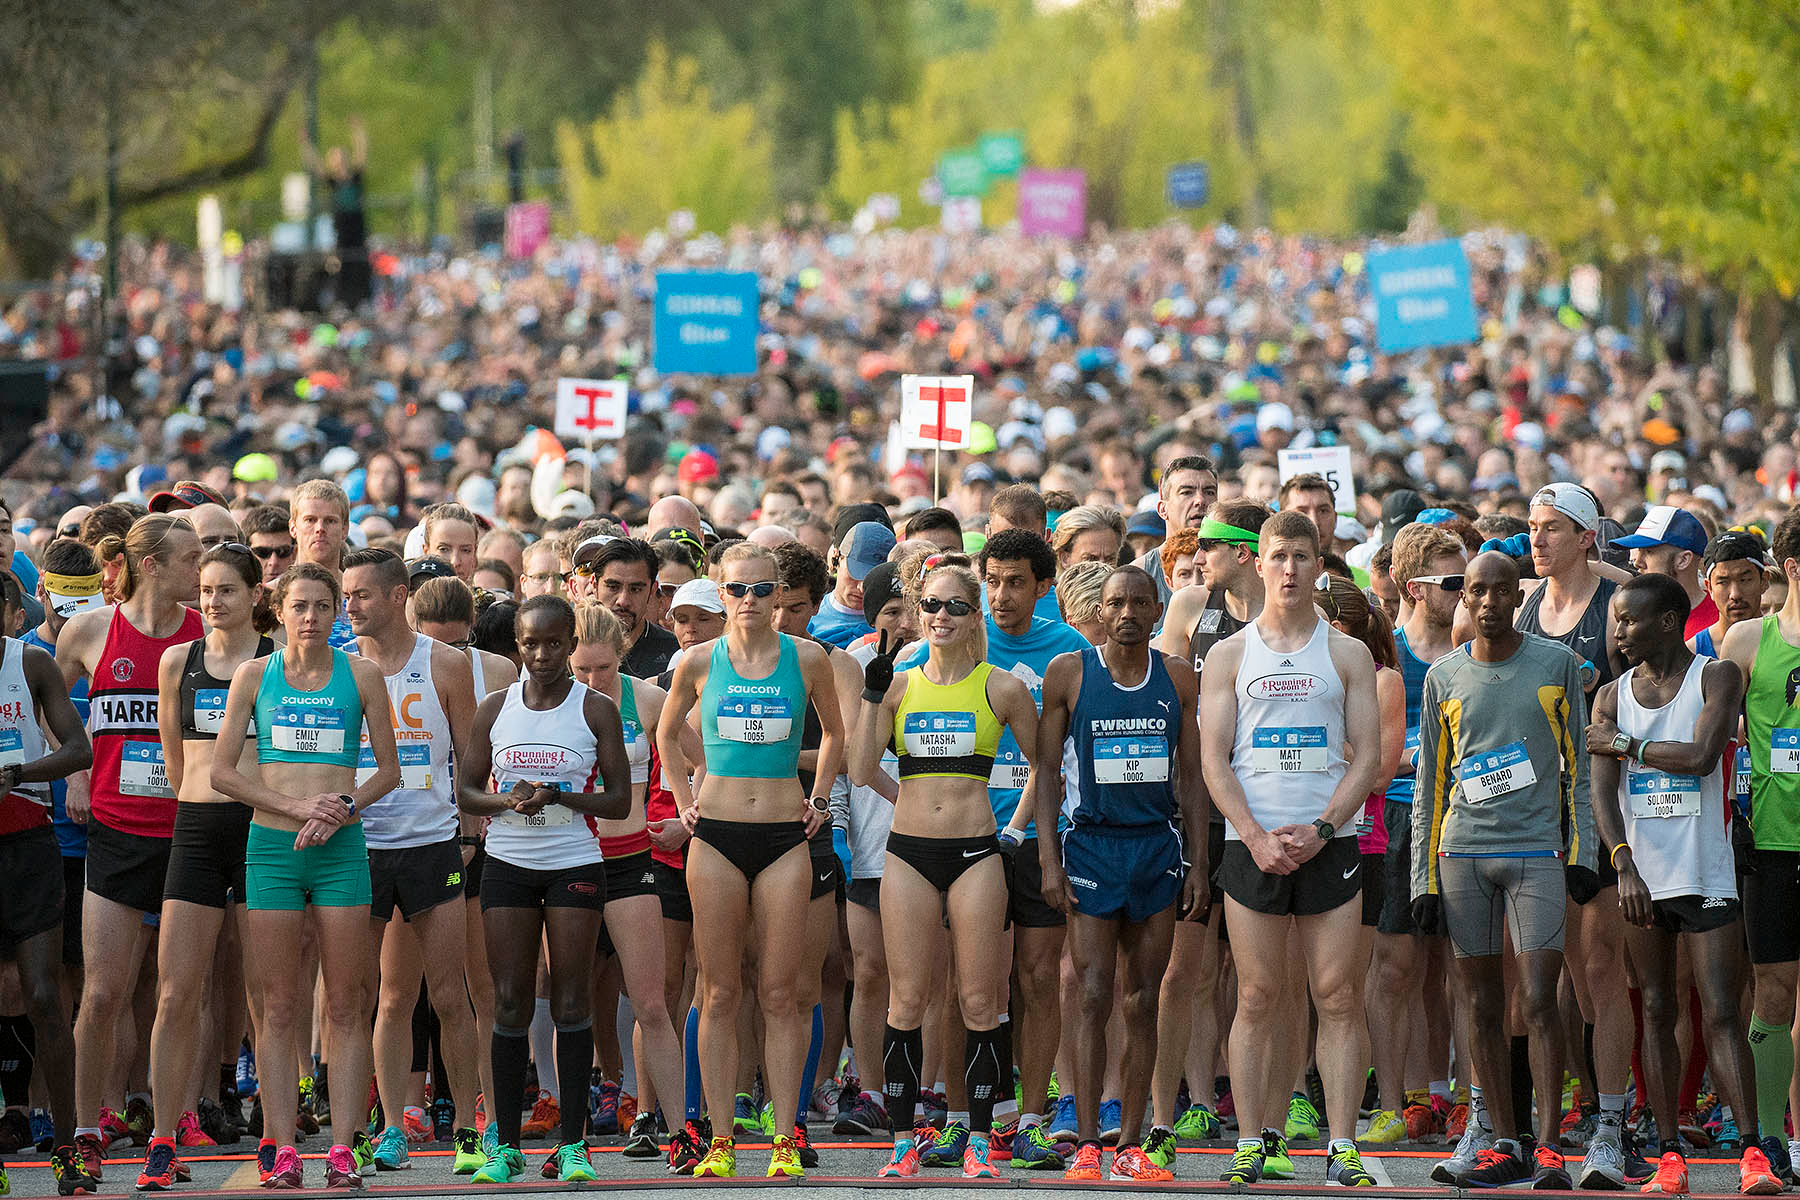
[527, 228]
[1053, 202]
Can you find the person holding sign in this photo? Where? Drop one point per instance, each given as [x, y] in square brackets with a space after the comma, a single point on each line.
[539, 750]
[1123, 719]
[206, 859]
[1657, 739]
[1500, 817]
[305, 848]
[1291, 748]
[749, 866]
[945, 720]
[117, 650]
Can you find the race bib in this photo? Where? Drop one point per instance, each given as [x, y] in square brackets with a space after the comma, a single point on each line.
[939, 734]
[1660, 794]
[550, 816]
[1496, 772]
[1133, 760]
[1784, 751]
[1286, 750]
[306, 730]
[209, 710]
[12, 748]
[1009, 773]
[1740, 779]
[415, 765]
[141, 771]
[1209, 621]
[755, 720]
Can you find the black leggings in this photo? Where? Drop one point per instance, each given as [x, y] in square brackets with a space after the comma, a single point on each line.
[750, 846]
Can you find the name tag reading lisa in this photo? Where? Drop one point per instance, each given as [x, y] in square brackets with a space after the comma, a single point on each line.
[1287, 750]
[1660, 794]
[1134, 759]
[415, 765]
[141, 770]
[1496, 772]
[1784, 751]
[755, 720]
[939, 734]
[307, 730]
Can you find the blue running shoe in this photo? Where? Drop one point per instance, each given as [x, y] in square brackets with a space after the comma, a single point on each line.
[246, 1072]
[745, 1117]
[390, 1150]
[1062, 1121]
[1034, 1150]
[946, 1149]
[43, 1131]
[1112, 1117]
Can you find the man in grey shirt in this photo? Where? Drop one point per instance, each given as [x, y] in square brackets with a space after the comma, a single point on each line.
[1190, 484]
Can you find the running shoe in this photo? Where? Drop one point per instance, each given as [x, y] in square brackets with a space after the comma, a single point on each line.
[1276, 1163]
[1132, 1165]
[768, 1118]
[641, 1142]
[1420, 1125]
[1671, 1178]
[824, 1100]
[112, 1128]
[865, 1117]
[687, 1148]
[803, 1146]
[1053, 1090]
[139, 1120]
[1578, 1129]
[504, 1165]
[1725, 1135]
[1385, 1129]
[745, 1118]
[784, 1159]
[1000, 1140]
[603, 1117]
[1455, 1169]
[1371, 1097]
[1087, 1163]
[546, 1116]
[43, 1130]
[93, 1153]
[158, 1174]
[15, 1131]
[72, 1178]
[1781, 1156]
[1755, 1176]
[245, 1076]
[362, 1149]
[490, 1140]
[254, 1126]
[341, 1170]
[572, 1163]
[1456, 1122]
[946, 1148]
[1603, 1167]
[1033, 1150]
[720, 1161]
[216, 1123]
[975, 1164]
[1501, 1164]
[1159, 1147]
[1246, 1164]
[188, 1133]
[1226, 1107]
[415, 1124]
[1637, 1170]
[443, 1119]
[1344, 1165]
[1112, 1116]
[628, 1109]
[1549, 1172]
[1198, 1123]
[1302, 1120]
[1062, 1121]
[905, 1162]
[1440, 1111]
[306, 1121]
[468, 1152]
[481, 1118]
[287, 1173]
[265, 1163]
[935, 1107]
[391, 1153]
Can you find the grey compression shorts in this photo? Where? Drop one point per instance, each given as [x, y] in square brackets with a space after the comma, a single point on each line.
[1487, 898]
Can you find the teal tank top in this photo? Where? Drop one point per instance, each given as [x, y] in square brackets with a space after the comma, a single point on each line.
[308, 727]
[752, 727]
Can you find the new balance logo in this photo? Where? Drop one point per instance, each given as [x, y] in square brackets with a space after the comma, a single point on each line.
[455, 879]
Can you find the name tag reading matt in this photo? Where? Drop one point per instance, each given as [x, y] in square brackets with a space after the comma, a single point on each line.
[307, 730]
[755, 720]
[141, 770]
[1287, 750]
[1496, 772]
[1131, 760]
[939, 734]
[415, 765]
[1784, 751]
[1660, 794]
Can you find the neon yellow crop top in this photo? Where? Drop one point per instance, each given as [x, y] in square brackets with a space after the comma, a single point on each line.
[947, 731]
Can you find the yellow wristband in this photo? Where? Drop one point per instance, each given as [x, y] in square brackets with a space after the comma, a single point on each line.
[1614, 858]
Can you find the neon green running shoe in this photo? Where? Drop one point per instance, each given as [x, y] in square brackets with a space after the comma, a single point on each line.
[1246, 1164]
[1385, 1127]
[1276, 1163]
[1302, 1120]
[572, 1165]
[469, 1156]
[1159, 1147]
[1198, 1124]
[504, 1165]
[362, 1149]
[1344, 1165]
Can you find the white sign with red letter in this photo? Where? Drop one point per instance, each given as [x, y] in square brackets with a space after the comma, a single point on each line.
[936, 411]
[589, 410]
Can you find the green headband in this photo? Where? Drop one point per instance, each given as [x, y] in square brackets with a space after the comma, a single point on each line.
[1218, 531]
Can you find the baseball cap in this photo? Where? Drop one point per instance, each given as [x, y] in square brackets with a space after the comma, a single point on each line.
[697, 466]
[589, 548]
[1666, 525]
[1398, 510]
[701, 593]
[189, 493]
[572, 504]
[1572, 501]
[684, 536]
[866, 548]
[880, 586]
[978, 473]
[422, 569]
[1147, 524]
[1735, 544]
[854, 515]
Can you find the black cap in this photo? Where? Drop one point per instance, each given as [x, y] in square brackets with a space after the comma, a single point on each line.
[879, 586]
[422, 569]
[854, 515]
[1398, 511]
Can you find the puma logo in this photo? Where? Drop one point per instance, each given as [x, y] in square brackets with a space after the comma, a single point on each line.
[1165, 705]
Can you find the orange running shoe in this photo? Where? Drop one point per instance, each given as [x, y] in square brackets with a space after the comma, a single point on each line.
[1131, 1166]
[1086, 1164]
[1671, 1178]
[1421, 1122]
[1456, 1122]
[1755, 1176]
[546, 1115]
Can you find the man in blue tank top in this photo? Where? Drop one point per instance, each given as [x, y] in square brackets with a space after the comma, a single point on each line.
[1123, 720]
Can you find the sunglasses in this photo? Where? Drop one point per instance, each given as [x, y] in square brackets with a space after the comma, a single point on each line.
[1450, 583]
[762, 591]
[227, 544]
[267, 552]
[956, 606]
[667, 590]
[586, 570]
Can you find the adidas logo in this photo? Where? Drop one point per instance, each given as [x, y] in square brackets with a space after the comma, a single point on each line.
[1287, 662]
[1713, 902]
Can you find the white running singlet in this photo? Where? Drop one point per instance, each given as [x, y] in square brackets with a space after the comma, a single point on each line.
[1289, 748]
[554, 747]
[422, 810]
[1675, 824]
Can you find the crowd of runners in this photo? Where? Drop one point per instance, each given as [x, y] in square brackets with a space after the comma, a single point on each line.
[1131, 795]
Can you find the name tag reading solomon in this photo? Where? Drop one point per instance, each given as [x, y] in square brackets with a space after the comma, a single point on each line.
[1132, 760]
[939, 734]
[1496, 772]
[306, 730]
[755, 720]
[1660, 794]
[1287, 750]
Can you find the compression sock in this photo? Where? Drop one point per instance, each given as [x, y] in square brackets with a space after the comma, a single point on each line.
[983, 1051]
[809, 1070]
[1006, 1100]
[543, 1052]
[1695, 1075]
[1521, 1085]
[624, 1023]
[574, 1054]
[1772, 1050]
[18, 1052]
[1587, 1061]
[901, 1051]
[1478, 1110]
[694, 1096]
[511, 1049]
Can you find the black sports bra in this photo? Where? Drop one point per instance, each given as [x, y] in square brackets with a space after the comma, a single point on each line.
[203, 694]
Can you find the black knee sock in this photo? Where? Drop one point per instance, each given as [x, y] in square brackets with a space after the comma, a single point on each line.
[574, 1055]
[511, 1050]
[902, 1052]
[1521, 1085]
[1590, 1095]
[982, 1055]
[18, 1051]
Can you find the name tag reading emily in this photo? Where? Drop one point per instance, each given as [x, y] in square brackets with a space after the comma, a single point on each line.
[306, 730]
[1496, 772]
[1660, 794]
[939, 734]
[1287, 750]
[755, 720]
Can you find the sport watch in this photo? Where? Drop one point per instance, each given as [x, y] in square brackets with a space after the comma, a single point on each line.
[1326, 829]
[1621, 744]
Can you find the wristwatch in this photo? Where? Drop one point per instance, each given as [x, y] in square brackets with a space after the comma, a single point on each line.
[1621, 744]
[1326, 829]
[820, 805]
[349, 802]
